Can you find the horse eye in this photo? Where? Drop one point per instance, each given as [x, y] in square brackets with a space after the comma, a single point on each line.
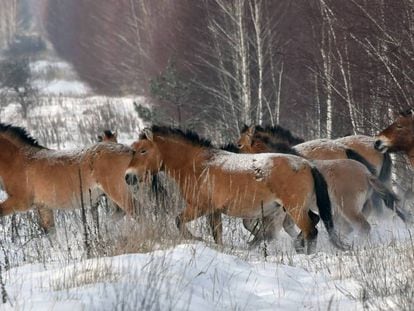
[240, 146]
[143, 151]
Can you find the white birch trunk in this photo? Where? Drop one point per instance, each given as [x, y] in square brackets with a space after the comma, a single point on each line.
[244, 63]
[257, 22]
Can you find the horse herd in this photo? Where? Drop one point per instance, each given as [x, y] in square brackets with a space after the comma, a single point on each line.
[269, 178]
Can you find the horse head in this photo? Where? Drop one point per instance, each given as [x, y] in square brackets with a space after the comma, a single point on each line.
[146, 160]
[108, 136]
[399, 136]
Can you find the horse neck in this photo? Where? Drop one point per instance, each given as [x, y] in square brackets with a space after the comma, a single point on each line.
[181, 160]
[9, 150]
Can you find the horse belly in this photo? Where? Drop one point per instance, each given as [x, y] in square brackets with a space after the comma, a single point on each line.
[59, 188]
[252, 206]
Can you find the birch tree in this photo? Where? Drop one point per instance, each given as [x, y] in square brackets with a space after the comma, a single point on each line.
[8, 21]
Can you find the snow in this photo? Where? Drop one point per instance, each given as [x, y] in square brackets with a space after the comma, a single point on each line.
[41, 66]
[235, 162]
[61, 87]
[318, 144]
[3, 196]
[186, 277]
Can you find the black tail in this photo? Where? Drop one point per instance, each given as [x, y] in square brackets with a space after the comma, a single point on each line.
[353, 155]
[385, 173]
[325, 210]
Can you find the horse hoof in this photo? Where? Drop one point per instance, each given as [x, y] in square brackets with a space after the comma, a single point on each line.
[299, 246]
[310, 247]
[252, 245]
[48, 231]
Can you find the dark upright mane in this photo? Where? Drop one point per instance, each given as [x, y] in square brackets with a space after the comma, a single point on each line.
[277, 132]
[187, 135]
[283, 148]
[406, 113]
[20, 134]
[230, 148]
[108, 133]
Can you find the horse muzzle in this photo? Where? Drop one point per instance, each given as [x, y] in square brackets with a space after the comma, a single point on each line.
[131, 179]
[380, 146]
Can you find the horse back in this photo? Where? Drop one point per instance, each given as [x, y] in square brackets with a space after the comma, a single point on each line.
[321, 149]
[364, 145]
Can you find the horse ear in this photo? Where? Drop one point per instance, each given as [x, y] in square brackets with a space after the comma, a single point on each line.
[251, 130]
[148, 134]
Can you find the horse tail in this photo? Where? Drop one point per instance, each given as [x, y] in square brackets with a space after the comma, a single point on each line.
[353, 155]
[385, 172]
[323, 202]
[388, 196]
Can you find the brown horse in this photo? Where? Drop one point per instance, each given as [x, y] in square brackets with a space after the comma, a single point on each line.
[351, 200]
[355, 147]
[34, 176]
[214, 181]
[399, 136]
[157, 188]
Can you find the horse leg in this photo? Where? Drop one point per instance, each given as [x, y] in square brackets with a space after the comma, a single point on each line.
[306, 221]
[216, 226]
[12, 205]
[289, 226]
[370, 205]
[121, 196]
[359, 221]
[263, 230]
[47, 221]
[190, 213]
[343, 224]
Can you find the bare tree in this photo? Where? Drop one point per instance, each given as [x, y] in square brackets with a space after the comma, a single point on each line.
[8, 21]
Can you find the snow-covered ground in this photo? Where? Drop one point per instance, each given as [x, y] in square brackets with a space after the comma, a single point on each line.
[57, 78]
[186, 277]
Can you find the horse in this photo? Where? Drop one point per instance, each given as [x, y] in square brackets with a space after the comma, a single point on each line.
[354, 147]
[350, 208]
[399, 136]
[214, 181]
[157, 188]
[35, 176]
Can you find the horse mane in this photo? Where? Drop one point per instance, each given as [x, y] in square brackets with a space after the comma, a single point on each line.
[406, 113]
[278, 132]
[282, 148]
[230, 148]
[187, 135]
[18, 134]
[109, 133]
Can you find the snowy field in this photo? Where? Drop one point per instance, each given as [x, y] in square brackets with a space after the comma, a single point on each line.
[142, 264]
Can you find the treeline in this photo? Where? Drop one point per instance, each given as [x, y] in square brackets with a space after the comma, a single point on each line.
[320, 67]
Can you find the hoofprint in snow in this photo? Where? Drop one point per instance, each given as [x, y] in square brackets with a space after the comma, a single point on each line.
[186, 277]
